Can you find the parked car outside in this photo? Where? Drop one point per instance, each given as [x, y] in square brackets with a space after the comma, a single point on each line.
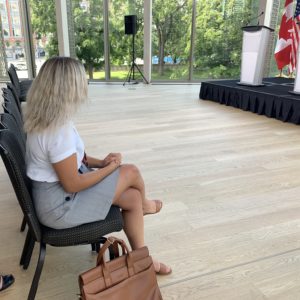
[20, 66]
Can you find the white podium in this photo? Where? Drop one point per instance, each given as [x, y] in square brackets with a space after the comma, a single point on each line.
[255, 45]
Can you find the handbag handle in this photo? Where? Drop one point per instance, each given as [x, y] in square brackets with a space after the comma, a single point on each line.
[111, 241]
[114, 248]
[101, 261]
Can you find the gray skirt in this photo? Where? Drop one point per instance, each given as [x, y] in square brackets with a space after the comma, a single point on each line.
[57, 209]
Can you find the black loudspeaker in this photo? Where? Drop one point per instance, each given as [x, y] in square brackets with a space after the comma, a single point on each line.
[130, 24]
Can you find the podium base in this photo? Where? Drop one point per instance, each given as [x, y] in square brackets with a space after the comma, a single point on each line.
[249, 84]
[294, 93]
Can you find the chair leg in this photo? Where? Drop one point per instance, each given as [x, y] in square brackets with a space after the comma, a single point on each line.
[38, 271]
[27, 251]
[96, 246]
[23, 225]
[110, 248]
[111, 252]
[28, 254]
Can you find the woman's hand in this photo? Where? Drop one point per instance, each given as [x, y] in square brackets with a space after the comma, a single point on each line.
[102, 163]
[112, 157]
[113, 165]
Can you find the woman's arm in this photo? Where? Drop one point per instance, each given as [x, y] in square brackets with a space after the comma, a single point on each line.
[72, 181]
[101, 163]
[94, 162]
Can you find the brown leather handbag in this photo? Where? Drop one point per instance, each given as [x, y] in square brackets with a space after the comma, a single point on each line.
[127, 277]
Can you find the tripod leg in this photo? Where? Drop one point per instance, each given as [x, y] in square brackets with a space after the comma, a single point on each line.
[141, 73]
[128, 76]
[131, 73]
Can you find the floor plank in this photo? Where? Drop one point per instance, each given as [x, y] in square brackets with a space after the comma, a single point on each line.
[230, 182]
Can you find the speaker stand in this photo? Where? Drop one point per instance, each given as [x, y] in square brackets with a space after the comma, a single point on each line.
[130, 76]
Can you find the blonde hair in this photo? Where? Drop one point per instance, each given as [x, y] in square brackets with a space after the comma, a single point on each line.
[55, 95]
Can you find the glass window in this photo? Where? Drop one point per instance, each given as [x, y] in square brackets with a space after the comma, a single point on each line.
[43, 20]
[273, 65]
[16, 20]
[14, 41]
[17, 32]
[122, 49]
[4, 18]
[171, 39]
[5, 31]
[14, 6]
[217, 47]
[89, 44]
[218, 44]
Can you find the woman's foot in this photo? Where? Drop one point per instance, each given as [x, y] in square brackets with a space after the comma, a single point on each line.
[152, 207]
[6, 281]
[161, 269]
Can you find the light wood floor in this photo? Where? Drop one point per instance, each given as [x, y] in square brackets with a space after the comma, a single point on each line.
[230, 181]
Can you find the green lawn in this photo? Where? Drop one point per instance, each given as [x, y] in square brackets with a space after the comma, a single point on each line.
[179, 73]
[122, 74]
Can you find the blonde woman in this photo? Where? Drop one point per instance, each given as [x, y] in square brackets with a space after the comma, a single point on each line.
[70, 188]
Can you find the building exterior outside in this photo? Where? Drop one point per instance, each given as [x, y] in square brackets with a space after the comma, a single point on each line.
[12, 28]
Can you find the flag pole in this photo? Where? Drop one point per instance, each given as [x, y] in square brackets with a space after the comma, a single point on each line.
[280, 74]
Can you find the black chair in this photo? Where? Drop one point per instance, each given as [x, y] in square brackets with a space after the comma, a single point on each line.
[7, 121]
[11, 93]
[13, 120]
[91, 233]
[11, 108]
[21, 87]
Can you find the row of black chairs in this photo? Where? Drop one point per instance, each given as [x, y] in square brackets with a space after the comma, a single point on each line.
[21, 87]
[13, 151]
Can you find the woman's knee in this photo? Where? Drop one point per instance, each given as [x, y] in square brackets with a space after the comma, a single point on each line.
[130, 171]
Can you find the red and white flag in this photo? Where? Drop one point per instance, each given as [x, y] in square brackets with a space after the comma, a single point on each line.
[286, 47]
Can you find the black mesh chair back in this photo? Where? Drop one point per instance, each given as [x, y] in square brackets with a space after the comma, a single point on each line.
[13, 76]
[13, 158]
[21, 87]
[11, 108]
[7, 121]
[11, 93]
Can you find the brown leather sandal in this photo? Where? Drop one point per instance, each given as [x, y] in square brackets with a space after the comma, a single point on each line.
[158, 207]
[163, 270]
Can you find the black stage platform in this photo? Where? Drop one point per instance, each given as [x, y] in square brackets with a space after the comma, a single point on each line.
[272, 100]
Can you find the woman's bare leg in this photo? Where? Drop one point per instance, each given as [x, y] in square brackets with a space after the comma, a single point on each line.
[132, 209]
[130, 177]
[131, 203]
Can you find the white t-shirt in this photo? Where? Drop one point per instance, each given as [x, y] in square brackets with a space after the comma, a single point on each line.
[48, 147]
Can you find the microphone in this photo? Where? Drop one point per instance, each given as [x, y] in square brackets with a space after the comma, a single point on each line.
[256, 18]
